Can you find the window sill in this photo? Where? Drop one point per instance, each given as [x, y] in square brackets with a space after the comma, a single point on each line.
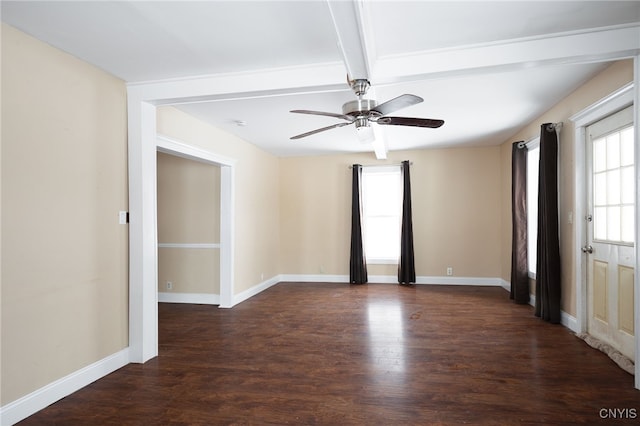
[379, 261]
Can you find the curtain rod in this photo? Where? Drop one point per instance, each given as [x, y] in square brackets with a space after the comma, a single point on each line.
[555, 126]
[384, 165]
[551, 126]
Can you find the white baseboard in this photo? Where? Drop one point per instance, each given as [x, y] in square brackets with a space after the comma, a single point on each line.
[319, 278]
[569, 321]
[505, 284]
[29, 404]
[195, 298]
[392, 279]
[566, 319]
[241, 297]
[470, 281]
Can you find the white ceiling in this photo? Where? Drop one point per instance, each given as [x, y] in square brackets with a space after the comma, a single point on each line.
[486, 68]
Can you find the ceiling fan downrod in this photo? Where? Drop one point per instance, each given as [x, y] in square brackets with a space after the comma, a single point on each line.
[359, 86]
[361, 109]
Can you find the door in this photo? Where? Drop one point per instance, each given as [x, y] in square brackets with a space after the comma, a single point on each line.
[611, 231]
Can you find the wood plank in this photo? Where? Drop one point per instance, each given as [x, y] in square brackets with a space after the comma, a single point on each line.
[329, 353]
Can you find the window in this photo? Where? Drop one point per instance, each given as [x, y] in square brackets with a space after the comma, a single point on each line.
[613, 187]
[533, 161]
[382, 207]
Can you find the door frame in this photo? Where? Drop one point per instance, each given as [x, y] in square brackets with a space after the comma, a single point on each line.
[143, 236]
[622, 98]
[177, 148]
[142, 100]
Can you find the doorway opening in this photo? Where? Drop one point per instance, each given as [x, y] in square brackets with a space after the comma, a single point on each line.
[188, 212]
[225, 231]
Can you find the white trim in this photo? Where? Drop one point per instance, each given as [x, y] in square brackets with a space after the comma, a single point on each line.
[599, 45]
[320, 278]
[620, 99]
[29, 404]
[392, 279]
[190, 245]
[505, 284]
[144, 143]
[567, 320]
[227, 234]
[636, 126]
[242, 296]
[178, 148]
[193, 298]
[382, 261]
[346, 21]
[143, 239]
[470, 281]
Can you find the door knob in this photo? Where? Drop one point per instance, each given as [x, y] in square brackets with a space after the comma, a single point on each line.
[587, 249]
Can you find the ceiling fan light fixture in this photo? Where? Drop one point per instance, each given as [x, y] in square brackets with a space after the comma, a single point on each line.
[364, 130]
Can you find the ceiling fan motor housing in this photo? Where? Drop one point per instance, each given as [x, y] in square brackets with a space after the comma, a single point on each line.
[359, 108]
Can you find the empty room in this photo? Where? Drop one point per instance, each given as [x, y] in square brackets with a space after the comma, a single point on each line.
[319, 212]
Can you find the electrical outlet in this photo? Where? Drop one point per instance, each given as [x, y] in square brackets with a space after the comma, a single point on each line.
[449, 270]
[169, 285]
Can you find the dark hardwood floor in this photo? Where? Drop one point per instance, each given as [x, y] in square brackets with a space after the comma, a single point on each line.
[335, 354]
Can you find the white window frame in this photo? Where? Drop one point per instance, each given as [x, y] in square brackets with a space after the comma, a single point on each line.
[366, 192]
[620, 204]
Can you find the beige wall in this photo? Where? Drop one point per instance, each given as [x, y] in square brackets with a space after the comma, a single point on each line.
[257, 210]
[188, 212]
[456, 201]
[612, 78]
[64, 179]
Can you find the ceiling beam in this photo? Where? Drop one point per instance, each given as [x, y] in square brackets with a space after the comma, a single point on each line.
[317, 78]
[604, 44]
[579, 47]
[355, 35]
[347, 19]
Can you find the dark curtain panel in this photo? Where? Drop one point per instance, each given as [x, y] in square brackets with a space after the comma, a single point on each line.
[548, 254]
[519, 267]
[406, 265]
[357, 261]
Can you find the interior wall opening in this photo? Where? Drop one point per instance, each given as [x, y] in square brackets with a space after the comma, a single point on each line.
[188, 204]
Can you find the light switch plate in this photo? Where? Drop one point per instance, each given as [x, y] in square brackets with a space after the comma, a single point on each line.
[123, 218]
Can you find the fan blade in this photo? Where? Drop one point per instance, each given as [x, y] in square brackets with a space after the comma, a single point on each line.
[328, 114]
[319, 130]
[410, 121]
[395, 104]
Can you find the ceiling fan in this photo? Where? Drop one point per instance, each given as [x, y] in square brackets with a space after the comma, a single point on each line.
[362, 112]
